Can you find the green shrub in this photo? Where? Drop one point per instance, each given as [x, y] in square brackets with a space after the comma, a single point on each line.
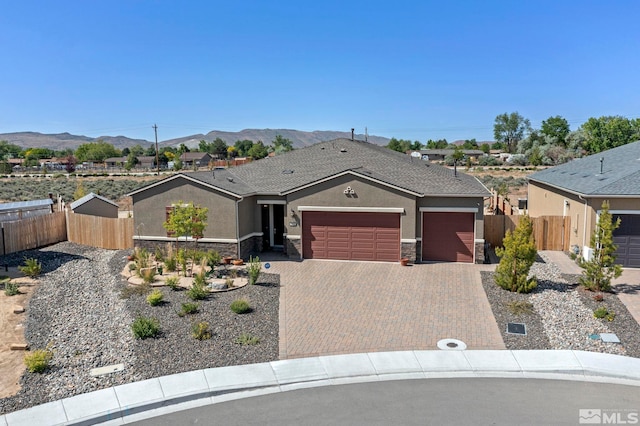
[11, 288]
[31, 268]
[229, 282]
[170, 263]
[38, 360]
[148, 275]
[200, 330]
[158, 254]
[172, 283]
[144, 327]
[254, 269]
[601, 312]
[213, 258]
[516, 259]
[142, 258]
[240, 306]
[189, 308]
[247, 339]
[520, 307]
[197, 292]
[155, 298]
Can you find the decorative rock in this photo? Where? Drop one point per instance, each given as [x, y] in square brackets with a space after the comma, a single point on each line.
[17, 309]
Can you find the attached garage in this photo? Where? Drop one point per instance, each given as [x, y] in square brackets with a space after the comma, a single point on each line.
[351, 236]
[448, 236]
[627, 238]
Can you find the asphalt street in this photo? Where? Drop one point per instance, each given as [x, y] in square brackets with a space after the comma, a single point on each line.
[455, 401]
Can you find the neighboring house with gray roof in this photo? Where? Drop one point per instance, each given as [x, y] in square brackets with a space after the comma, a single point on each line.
[95, 205]
[578, 188]
[340, 199]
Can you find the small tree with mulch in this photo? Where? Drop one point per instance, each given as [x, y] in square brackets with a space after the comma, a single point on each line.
[601, 268]
[516, 259]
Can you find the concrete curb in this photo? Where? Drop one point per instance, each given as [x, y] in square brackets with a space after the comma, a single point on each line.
[149, 398]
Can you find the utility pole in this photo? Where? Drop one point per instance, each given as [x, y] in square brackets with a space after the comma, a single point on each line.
[155, 130]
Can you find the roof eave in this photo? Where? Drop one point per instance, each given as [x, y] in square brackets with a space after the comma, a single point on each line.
[189, 178]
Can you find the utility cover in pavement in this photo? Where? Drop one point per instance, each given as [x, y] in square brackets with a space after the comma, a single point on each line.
[515, 328]
[609, 338]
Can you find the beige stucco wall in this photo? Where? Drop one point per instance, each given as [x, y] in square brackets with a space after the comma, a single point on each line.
[367, 194]
[97, 207]
[548, 201]
[454, 202]
[249, 216]
[149, 208]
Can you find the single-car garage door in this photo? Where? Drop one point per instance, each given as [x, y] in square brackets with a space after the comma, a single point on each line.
[627, 238]
[448, 236]
[351, 236]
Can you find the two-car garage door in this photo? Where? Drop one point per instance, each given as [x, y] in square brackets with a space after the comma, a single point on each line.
[351, 236]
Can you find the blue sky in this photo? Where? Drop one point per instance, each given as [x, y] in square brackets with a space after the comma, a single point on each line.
[410, 69]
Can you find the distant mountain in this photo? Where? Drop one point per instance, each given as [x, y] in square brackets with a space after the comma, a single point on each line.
[298, 137]
[61, 141]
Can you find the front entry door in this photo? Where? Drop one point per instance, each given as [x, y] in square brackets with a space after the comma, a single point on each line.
[272, 226]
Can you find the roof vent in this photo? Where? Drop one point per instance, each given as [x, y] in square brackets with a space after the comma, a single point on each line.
[343, 149]
[287, 172]
[230, 179]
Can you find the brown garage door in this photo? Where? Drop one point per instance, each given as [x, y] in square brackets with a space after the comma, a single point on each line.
[447, 236]
[351, 236]
[627, 238]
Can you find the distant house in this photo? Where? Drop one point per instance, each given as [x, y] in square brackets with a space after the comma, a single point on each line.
[340, 199]
[146, 162]
[197, 159]
[95, 205]
[115, 161]
[578, 188]
[440, 154]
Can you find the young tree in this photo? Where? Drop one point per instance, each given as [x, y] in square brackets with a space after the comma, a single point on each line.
[281, 144]
[186, 220]
[516, 259]
[510, 129]
[556, 128]
[601, 269]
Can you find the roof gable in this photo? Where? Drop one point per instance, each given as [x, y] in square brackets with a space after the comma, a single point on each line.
[615, 172]
[88, 198]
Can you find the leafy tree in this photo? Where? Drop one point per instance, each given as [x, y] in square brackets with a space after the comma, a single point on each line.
[5, 167]
[32, 155]
[535, 157]
[498, 145]
[439, 144]
[243, 147]
[79, 192]
[96, 151]
[150, 151]
[137, 150]
[219, 148]
[258, 151]
[457, 154]
[601, 269]
[486, 148]
[510, 129]
[232, 152]
[281, 144]
[132, 160]
[125, 151]
[516, 258]
[9, 150]
[556, 128]
[416, 146]
[470, 144]
[187, 220]
[609, 132]
[71, 164]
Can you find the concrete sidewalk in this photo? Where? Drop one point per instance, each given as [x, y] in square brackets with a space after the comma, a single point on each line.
[150, 398]
[627, 286]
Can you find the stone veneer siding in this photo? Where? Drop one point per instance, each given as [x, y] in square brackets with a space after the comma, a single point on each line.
[293, 249]
[479, 249]
[409, 250]
[250, 247]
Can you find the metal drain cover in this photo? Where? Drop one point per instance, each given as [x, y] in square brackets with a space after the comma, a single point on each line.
[451, 345]
[516, 328]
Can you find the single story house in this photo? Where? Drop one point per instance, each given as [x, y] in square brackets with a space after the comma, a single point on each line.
[578, 188]
[115, 161]
[341, 199]
[195, 159]
[95, 205]
[440, 154]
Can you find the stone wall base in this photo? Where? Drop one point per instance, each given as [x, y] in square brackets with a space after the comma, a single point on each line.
[293, 249]
[409, 250]
[479, 252]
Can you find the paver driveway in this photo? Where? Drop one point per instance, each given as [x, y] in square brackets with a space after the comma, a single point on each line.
[333, 307]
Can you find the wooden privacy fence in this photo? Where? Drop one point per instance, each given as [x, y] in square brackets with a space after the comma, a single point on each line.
[103, 232]
[33, 232]
[549, 232]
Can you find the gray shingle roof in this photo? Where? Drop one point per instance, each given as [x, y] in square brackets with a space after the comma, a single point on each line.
[620, 173]
[90, 196]
[292, 170]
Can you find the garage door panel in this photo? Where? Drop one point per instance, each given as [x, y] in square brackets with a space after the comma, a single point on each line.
[351, 236]
[627, 238]
[448, 236]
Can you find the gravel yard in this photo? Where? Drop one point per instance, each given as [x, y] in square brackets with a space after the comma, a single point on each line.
[78, 311]
[561, 315]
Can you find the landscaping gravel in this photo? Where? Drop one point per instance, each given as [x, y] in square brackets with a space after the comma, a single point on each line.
[562, 315]
[78, 312]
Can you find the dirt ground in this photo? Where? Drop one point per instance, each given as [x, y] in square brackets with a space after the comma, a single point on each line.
[12, 331]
